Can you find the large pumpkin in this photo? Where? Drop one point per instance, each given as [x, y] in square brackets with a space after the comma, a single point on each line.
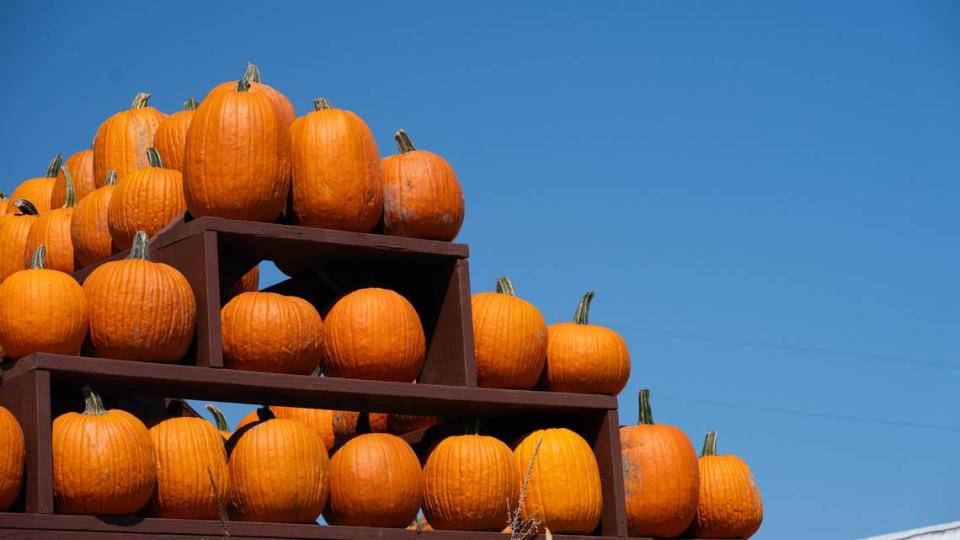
[38, 190]
[140, 309]
[12, 452]
[729, 504]
[42, 310]
[585, 358]
[660, 476]
[89, 229]
[467, 481]
[121, 142]
[337, 178]
[52, 229]
[278, 472]
[375, 481]
[14, 231]
[145, 200]
[422, 197]
[103, 461]
[281, 104]
[509, 339]
[171, 137]
[564, 485]
[373, 334]
[219, 421]
[237, 157]
[81, 167]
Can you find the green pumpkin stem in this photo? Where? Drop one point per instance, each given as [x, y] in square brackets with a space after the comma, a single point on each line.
[317, 372]
[265, 413]
[54, 166]
[582, 315]
[252, 73]
[111, 179]
[218, 419]
[25, 207]
[243, 85]
[322, 104]
[709, 445]
[153, 158]
[190, 105]
[93, 405]
[140, 101]
[403, 142]
[71, 197]
[646, 413]
[141, 247]
[3, 195]
[505, 286]
[39, 259]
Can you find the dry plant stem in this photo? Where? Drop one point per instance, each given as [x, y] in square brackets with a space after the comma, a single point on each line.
[220, 511]
[524, 528]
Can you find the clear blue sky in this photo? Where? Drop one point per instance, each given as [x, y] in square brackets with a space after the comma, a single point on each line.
[727, 175]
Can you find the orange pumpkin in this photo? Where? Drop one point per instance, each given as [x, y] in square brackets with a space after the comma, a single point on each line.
[121, 142]
[38, 190]
[375, 481]
[220, 422]
[89, 230]
[103, 461]
[145, 200]
[53, 230]
[337, 178]
[321, 420]
[237, 157]
[422, 197]
[729, 504]
[373, 334]
[660, 476]
[249, 282]
[12, 452]
[14, 231]
[42, 310]
[140, 309]
[171, 137]
[4, 203]
[81, 166]
[282, 105]
[509, 339]
[585, 358]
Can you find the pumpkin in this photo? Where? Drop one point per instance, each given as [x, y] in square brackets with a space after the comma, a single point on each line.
[585, 358]
[373, 334]
[468, 481]
[81, 166]
[509, 339]
[375, 481]
[729, 504]
[38, 190]
[421, 194]
[52, 229]
[337, 178]
[249, 282]
[264, 331]
[145, 200]
[140, 309]
[171, 137]
[321, 420]
[220, 422]
[282, 105]
[564, 485]
[89, 230]
[14, 231]
[103, 461]
[660, 476]
[278, 471]
[4, 203]
[42, 310]
[192, 476]
[122, 140]
[12, 455]
[237, 157]
[347, 425]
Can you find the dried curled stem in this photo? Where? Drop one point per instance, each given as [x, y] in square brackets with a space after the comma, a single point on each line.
[524, 528]
[220, 510]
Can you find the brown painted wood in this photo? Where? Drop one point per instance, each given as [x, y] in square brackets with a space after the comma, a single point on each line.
[28, 398]
[606, 448]
[171, 233]
[450, 350]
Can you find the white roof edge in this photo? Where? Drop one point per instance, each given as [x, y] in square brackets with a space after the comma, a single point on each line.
[919, 533]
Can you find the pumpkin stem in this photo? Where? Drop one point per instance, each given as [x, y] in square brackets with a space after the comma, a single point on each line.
[264, 413]
[218, 419]
[25, 207]
[582, 315]
[322, 104]
[93, 405]
[243, 85]
[54, 166]
[709, 445]
[141, 247]
[646, 413]
[3, 196]
[111, 179]
[317, 372]
[140, 101]
[403, 142]
[252, 73]
[71, 197]
[190, 105]
[39, 257]
[153, 158]
[505, 286]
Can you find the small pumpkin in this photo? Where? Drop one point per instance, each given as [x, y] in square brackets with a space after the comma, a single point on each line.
[53, 230]
[237, 157]
[337, 177]
[422, 197]
[14, 232]
[373, 333]
[12, 455]
[219, 421]
[140, 309]
[145, 200]
[38, 190]
[564, 485]
[171, 137]
[660, 476]
[81, 166]
[282, 105]
[729, 504]
[249, 282]
[122, 140]
[509, 339]
[42, 310]
[585, 358]
[103, 461]
[89, 230]
[375, 481]
[279, 471]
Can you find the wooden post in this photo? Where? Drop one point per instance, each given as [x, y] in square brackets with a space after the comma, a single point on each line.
[27, 396]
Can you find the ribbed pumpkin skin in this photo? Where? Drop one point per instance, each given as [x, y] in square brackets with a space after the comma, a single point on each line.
[282, 105]
[279, 472]
[81, 171]
[468, 480]
[42, 311]
[320, 420]
[422, 197]
[337, 178]
[509, 340]
[89, 230]
[53, 230]
[171, 138]
[189, 451]
[144, 200]
[102, 464]
[660, 478]
[4, 203]
[36, 190]
[729, 504]
[12, 453]
[373, 334]
[140, 310]
[265, 331]
[586, 359]
[237, 158]
[121, 142]
[564, 489]
[375, 481]
[14, 231]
